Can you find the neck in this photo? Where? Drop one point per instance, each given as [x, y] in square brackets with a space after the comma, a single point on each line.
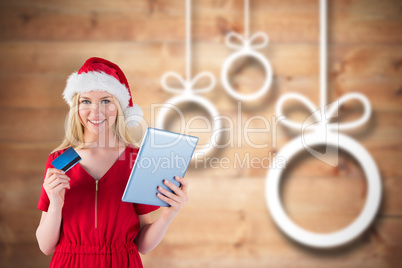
[105, 140]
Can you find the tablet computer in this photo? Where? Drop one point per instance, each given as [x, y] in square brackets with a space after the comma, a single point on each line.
[162, 156]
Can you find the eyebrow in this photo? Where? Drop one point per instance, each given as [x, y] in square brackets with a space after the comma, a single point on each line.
[100, 98]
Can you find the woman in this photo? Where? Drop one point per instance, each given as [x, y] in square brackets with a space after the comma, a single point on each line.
[84, 222]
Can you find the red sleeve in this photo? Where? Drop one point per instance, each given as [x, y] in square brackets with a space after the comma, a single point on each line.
[144, 209]
[44, 202]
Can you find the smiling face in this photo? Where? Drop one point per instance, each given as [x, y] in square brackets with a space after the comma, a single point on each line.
[97, 111]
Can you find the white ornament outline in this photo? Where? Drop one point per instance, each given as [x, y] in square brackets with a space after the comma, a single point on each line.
[247, 49]
[331, 138]
[188, 93]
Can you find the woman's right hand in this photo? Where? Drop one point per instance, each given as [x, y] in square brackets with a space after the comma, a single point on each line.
[56, 182]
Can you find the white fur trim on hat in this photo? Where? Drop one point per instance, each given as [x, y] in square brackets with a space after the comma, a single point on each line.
[100, 81]
[96, 81]
[133, 115]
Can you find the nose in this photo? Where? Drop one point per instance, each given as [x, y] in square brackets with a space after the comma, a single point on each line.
[97, 109]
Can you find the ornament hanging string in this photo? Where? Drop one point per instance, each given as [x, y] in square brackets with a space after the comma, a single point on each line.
[247, 48]
[189, 94]
[324, 113]
[323, 134]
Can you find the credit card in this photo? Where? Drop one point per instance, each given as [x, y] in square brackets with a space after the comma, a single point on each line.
[66, 160]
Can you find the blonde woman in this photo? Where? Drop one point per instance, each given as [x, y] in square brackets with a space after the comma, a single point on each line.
[84, 223]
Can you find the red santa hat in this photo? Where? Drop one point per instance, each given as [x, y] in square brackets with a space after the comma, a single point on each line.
[101, 75]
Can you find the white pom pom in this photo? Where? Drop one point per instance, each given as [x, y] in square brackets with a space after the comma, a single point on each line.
[133, 115]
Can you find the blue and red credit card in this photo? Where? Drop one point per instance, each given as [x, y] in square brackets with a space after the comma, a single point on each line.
[66, 160]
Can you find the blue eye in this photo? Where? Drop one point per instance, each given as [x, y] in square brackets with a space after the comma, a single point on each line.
[85, 102]
[105, 101]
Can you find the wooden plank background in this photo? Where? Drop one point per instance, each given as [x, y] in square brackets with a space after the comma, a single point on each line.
[226, 222]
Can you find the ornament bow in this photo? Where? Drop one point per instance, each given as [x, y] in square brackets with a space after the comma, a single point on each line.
[246, 43]
[320, 118]
[188, 85]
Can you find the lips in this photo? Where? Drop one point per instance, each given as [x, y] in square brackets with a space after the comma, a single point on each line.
[97, 122]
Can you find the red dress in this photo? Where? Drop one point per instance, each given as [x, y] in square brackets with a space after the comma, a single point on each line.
[97, 228]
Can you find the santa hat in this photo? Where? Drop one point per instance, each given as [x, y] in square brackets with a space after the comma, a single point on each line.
[101, 75]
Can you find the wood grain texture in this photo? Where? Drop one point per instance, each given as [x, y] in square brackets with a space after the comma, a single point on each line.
[372, 70]
[127, 21]
[226, 222]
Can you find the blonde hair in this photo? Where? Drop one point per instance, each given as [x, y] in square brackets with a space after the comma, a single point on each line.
[74, 134]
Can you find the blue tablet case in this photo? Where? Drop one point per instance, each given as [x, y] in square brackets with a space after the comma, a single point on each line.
[162, 156]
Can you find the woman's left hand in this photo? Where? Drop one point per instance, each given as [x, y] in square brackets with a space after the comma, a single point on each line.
[176, 200]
